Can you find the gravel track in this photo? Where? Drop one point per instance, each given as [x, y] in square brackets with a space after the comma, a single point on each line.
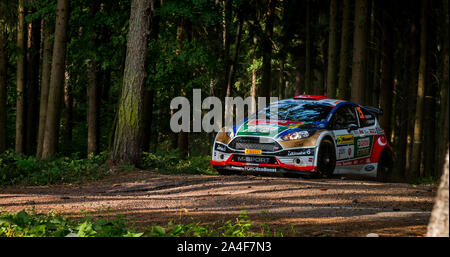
[312, 207]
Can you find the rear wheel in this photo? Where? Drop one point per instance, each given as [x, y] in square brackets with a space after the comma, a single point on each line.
[384, 169]
[326, 158]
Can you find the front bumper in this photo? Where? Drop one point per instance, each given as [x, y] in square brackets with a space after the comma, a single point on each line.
[278, 166]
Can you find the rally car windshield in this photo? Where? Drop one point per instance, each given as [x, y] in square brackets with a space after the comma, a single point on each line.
[298, 111]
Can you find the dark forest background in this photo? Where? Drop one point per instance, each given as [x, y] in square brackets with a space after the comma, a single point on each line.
[71, 85]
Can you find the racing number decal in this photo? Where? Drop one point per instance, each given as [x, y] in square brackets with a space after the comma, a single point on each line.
[360, 113]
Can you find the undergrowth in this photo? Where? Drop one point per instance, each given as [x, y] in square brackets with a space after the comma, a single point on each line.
[32, 224]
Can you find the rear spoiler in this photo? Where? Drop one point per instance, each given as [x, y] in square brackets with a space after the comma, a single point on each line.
[374, 110]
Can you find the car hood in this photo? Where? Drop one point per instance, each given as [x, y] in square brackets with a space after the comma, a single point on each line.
[274, 129]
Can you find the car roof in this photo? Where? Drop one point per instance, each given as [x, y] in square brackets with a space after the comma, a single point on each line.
[323, 100]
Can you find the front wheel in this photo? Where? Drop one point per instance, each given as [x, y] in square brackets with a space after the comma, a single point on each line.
[326, 158]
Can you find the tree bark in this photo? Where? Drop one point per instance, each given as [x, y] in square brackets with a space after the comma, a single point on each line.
[387, 75]
[417, 143]
[32, 90]
[3, 85]
[438, 225]
[21, 79]
[51, 134]
[93, 92]
[45, 84]
[129, 128]
[233, 63]
[332, 50]
[359, 67]
[68, 113]
[149, 94]
[93, 113]
[442, 135]
[308, 86]
[266, 80]
[344, 60]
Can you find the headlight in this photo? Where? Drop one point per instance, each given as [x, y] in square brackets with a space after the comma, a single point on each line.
[229, 133]
[296, 135]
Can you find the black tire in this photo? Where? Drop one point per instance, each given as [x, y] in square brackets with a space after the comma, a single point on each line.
[326, 158]
[385, 164]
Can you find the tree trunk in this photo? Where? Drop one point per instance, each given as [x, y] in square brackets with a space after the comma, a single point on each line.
[51, 134]
[149, 94]
[442, 135]
[344, 60]
[93, 92]
[266, 80]
[3, 85]
[21, 79]
[438, 225]
[233, 63]
[332, 50]
[129, 128]
[387, 79]
[417, 143]
[68, 113]
[46, 69]
[359, 67]
[93, 112]
[32, 91]
[413, 58]
[308, 83]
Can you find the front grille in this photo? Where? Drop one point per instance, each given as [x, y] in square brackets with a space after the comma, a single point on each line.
[265, 144]
[254, 159]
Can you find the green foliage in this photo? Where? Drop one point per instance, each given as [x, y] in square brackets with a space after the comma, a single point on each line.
[426, 181]
[170, 163]
[240, 227]
[24, 224]
[20, 169]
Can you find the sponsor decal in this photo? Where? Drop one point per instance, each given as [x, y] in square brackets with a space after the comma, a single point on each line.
[360, 113]
[362, 152]
[263, 169]
[345, 139]
[252, 159]
[369, 167]
[380, 131]
[221, 147]
[301, 152]
[372, 131]
[363, 142]
[354, 162]
[345, 152]
[253, 151]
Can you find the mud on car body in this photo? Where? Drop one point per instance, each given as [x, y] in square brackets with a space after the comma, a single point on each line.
[312, 135]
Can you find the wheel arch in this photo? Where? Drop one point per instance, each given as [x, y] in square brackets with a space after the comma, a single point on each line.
[322, 136]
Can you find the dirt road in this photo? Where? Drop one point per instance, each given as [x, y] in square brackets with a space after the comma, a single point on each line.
[310, 207]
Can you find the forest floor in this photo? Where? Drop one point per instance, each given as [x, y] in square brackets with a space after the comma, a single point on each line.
[310, 207]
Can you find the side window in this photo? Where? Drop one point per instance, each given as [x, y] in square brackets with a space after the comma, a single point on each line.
[343, 117]
[366, 118]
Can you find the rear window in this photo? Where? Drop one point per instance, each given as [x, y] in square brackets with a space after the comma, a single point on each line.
[366, 118]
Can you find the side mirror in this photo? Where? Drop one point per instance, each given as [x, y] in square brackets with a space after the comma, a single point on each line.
[352, 127]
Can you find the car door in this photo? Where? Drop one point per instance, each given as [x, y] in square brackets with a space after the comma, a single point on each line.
[345, 127]
[366, 131]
